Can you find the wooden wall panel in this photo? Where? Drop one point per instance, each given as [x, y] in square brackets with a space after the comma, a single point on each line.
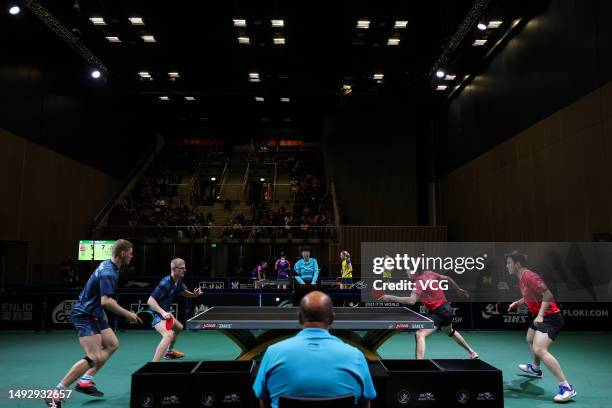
[48, 200]
[550, 182]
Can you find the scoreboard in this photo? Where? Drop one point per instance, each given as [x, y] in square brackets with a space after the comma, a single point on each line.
[95, 250]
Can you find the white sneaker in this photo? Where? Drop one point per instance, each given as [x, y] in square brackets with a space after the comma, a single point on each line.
[528, 368]
[565, 394]
[473, 355]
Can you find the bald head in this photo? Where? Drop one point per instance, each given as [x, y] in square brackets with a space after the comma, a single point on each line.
[316, 310]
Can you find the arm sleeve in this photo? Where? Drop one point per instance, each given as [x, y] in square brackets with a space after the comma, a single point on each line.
[315, 276]
[108, 284]
[298, 271]
[369, 392]
[259, 386]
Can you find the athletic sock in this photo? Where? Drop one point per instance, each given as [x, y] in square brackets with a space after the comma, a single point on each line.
[565, 384]
[86, 377]
[535, 367]
[60, 386]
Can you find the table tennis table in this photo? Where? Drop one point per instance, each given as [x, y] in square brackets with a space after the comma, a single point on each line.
[253, 329]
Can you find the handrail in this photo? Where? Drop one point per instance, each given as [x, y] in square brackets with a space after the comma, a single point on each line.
[142, 164]
[223, 177]
[246, 178]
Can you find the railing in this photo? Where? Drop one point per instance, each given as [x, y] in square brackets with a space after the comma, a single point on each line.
[140, 167]
[193, 232]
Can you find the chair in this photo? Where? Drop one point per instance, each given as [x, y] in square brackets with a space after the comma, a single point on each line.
[342, 401]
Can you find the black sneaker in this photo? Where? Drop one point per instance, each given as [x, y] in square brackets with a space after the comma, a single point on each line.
[89, 388]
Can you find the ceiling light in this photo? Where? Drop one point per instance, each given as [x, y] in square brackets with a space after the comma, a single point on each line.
[393, 41]
[164, 98]
[173, 74]
[279, 41]
[379, 76]
[144, 74]
[254, 80]
[479, 43]
[244, 40]
[213, 179]
[346, 89]
[97, 20]
[441, 87]
[365, 24]
[190, 98]
[136, 20]
[14, 10]
[239, 22]
[400, 24]
[450, 77]
[95, 74]
[481, 26]
[148, 38]
[495, 23]
[253, 75]
[284, 99]
[259, 99]
[440, 73]
[278, 23]
[113, 39]
[262, 179]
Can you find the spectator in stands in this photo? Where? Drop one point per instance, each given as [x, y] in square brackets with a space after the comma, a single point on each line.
[287, 367]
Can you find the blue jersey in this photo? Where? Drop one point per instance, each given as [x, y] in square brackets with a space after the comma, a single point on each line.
[313, 364]
[166, 291]
[307, 271]
[103, 282]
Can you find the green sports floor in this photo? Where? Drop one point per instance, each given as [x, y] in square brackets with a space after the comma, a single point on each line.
[38, 360]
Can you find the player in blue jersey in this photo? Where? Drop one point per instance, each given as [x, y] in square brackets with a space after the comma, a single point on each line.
[160, 304]
[89, 319]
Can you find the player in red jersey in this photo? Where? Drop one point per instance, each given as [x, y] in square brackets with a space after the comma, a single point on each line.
[438, 308]
[546, 324]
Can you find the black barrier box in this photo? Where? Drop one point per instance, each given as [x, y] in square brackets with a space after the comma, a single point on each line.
[472, 383]
[223, 384]
[414, 383]
[157, 385]
[379, 378]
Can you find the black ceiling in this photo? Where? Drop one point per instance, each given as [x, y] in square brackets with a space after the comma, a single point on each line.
[323, 50]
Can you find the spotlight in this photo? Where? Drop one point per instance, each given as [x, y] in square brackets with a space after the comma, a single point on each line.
[95, 74]
[14, 10]
[482, 26]
[440, 73]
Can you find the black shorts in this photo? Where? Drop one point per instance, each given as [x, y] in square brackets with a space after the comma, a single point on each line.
[552, 325]
[442, 316]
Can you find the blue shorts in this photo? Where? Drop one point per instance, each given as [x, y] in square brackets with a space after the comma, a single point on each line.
[156, 319]
[89, 325]
[346, 281]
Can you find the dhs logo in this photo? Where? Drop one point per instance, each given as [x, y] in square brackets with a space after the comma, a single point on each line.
[485, 396]
[171, 400]
[427, 396]
[403, 397]
[61, 313]
[463, 396]
[232, 398]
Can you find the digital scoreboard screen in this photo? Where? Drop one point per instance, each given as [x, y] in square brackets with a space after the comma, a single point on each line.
[95, 250]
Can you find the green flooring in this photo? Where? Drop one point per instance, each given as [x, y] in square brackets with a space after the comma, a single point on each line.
[37, 360]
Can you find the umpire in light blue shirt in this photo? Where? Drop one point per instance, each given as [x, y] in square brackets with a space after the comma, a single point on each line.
[313, 364]
[307, 268]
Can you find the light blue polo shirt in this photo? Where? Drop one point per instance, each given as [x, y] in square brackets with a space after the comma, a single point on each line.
[307, 271]
[313, 364]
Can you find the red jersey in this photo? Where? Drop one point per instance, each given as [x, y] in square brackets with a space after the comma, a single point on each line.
[532, 287]
[431, 299]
